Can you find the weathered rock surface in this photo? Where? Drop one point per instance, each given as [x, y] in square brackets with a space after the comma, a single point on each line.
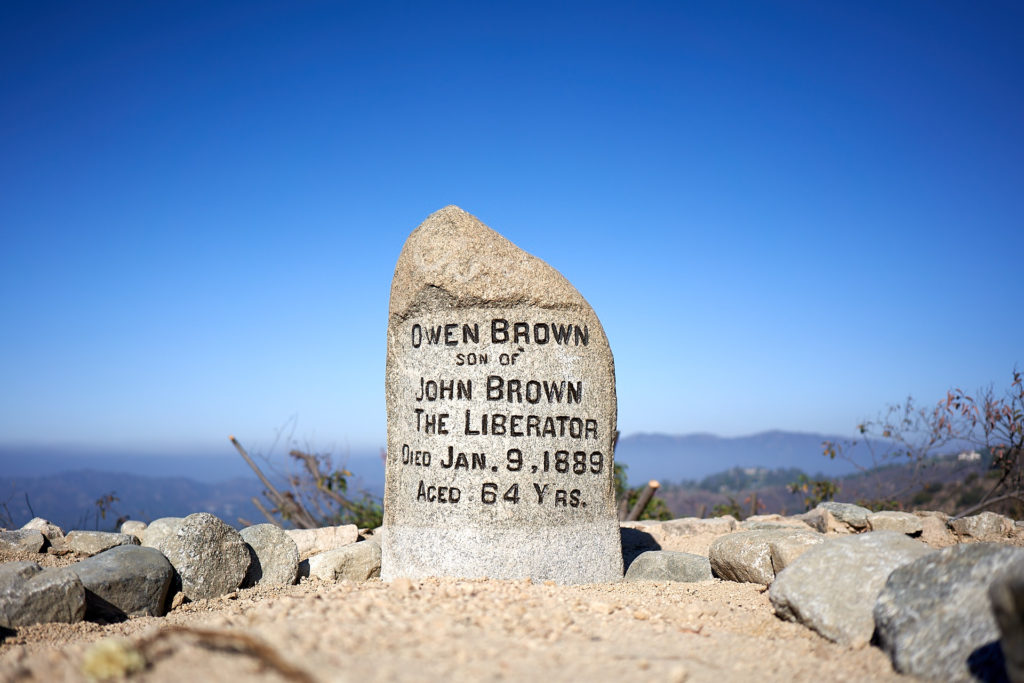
[274, 556]
[356, 562]
[891, 520]
[125, 581]
[1007, 596]
[472, 292]
[89, 543]
[210, 557]
[786, 549]
[746, 556]
[983, 528]
[30, 595]
[23, 540]
[832, 587]
[134, 528]
[667, 565]
[933, 617]
[313, 541]
[158, 530]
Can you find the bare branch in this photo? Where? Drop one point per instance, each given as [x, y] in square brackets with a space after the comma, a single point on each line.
[1013, 495]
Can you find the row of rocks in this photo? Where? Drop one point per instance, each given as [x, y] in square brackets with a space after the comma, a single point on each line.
[944, 598]
[851, 575]
[134, 573]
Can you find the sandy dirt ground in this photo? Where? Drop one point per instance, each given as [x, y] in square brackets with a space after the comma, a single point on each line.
[453, 630]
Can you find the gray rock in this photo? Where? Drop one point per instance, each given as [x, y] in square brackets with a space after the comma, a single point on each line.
[158, 530]
[492, 506]
[134, 528]
[983, 527]
[847, 513]
[832, 587]
[356, 562]
[891, 520]
[746, 556]
[313, 541]
[667, 565]
[1007, 596]
[210, 557]
[90, 543]
[274, 557]
[54, 534]
[933, 617]
[30, 595]
[22, 541]
[125, 581]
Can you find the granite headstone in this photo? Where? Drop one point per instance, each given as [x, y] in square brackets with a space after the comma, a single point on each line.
[501, 415]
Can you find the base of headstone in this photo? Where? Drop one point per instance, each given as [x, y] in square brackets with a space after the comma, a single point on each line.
[539, 553]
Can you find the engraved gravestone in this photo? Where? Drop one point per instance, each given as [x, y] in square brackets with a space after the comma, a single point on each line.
[501, 415]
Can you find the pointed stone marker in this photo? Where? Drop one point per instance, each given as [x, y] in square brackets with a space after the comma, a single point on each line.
[501, 415]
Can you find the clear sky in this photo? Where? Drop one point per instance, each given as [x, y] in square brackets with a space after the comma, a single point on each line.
[786, 215]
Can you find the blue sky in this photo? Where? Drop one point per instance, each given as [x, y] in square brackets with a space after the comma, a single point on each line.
[787, 215]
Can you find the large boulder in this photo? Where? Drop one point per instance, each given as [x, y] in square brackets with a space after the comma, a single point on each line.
[273, 557]
[832, 587]
[125, 581]
[30, 595]
[746, 556]
[210, 557]
[933, 617]
[89, 543]
[667, 565]
[355, 562]
[1007, 596]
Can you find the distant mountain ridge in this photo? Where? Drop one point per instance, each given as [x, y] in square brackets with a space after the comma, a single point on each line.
[689, 457]
[68, 499]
